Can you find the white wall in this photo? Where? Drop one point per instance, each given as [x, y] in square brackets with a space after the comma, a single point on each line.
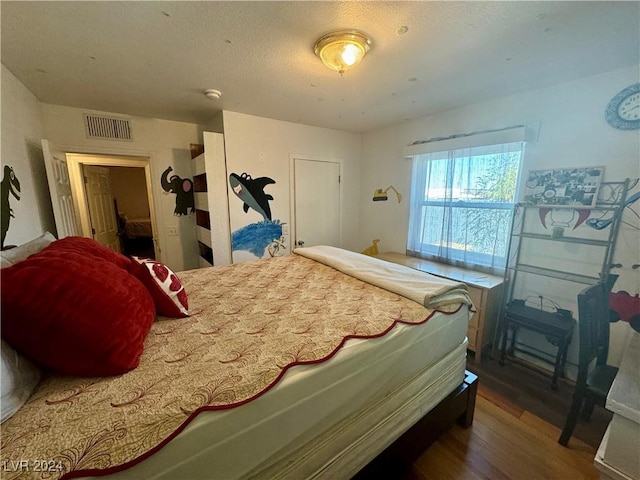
[166, 143]
[566, 127]
[263, 147]
[22, 150]
[259, 146]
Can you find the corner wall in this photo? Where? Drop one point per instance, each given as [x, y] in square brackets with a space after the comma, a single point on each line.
[166, 143]
[262, 147]
[566, 127]
[21, 149]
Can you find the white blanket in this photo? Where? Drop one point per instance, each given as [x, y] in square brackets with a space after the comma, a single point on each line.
[421, 287]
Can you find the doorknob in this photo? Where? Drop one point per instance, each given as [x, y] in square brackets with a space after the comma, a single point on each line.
[300, 243]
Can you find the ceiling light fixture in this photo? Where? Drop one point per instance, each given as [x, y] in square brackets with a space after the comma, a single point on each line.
[342, 49]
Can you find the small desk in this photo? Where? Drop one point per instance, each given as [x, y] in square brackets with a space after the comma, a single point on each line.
[556, 327]
[485, 291]
[619, 452]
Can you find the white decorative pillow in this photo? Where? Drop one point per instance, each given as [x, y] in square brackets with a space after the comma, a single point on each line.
[165, 287]
[18, 379]
[17, 254]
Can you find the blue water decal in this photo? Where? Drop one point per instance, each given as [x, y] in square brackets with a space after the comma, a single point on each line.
[256, 237]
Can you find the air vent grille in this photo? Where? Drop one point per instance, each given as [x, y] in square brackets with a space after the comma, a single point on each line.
[112, 128]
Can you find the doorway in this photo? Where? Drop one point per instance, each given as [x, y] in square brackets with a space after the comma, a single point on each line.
[101, 205]
[114, 202]
[131, 199]
[316, 202]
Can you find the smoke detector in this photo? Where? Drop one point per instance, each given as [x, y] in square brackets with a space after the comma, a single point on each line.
[212, 94]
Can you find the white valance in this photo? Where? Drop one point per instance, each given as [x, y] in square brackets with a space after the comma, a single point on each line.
[456, 142]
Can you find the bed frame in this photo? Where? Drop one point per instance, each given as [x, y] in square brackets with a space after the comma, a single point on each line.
[458, 408]
[414, 433]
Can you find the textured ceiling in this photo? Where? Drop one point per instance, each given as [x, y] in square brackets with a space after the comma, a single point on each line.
[154, 59]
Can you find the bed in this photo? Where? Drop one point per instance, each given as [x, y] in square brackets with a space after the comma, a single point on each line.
[136, 236]
[137, 227]
[305, 366]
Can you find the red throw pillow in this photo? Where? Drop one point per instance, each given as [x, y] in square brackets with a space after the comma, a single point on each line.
[89, 247]
[75, 314]
[164, 286]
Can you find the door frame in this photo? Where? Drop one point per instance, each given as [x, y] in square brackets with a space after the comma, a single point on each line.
[292, 192]
[75, 162]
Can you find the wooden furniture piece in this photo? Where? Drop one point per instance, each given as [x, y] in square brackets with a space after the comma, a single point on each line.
[484, 289]
[557, 327]
[592, 384]
[618, 452]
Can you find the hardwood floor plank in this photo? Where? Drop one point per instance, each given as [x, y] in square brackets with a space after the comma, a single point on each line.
[579, 455]
[440, 462]
[469, 463]
[500, 400]
[504, 444]
[530, 390]
[514, 436]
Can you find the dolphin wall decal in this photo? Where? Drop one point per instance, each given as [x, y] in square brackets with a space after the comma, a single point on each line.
[251, 192]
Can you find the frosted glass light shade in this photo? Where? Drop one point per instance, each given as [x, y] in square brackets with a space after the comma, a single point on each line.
[342, 49]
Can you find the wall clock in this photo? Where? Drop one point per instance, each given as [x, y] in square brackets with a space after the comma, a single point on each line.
[623, 111]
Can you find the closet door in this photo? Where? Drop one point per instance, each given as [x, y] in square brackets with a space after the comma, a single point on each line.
[317, 202]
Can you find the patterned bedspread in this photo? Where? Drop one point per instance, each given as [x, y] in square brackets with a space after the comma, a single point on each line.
[250, 322]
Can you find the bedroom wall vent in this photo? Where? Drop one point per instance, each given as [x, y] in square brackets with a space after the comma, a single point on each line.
[110, 128]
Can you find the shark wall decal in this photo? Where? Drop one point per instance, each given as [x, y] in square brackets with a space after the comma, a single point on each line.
[251, 192]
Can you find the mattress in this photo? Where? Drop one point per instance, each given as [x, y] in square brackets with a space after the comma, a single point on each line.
[310, 422]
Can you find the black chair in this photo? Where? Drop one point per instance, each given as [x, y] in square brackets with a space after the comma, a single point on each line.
[594, 381]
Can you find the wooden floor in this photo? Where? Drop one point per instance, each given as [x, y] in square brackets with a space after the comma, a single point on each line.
[528, 389]
[514, 435]
[504, 442]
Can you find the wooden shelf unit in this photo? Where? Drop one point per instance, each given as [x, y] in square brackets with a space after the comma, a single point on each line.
[485, 291]
[528, 230]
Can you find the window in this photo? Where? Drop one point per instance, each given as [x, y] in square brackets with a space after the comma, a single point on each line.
[461, 205]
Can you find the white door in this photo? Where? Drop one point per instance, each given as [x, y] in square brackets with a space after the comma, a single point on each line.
[55, 162]
[101, 207]
[317, 203]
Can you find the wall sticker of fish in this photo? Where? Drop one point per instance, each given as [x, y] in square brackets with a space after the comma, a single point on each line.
[251, 192]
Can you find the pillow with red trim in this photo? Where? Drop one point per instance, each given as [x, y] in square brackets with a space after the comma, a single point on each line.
[165, 287]
[89, 247]
[75, 314]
